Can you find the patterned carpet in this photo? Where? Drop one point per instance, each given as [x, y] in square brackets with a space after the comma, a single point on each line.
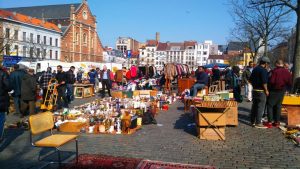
[93, 161]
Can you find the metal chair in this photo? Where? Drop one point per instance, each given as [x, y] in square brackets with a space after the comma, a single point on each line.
[43, 122]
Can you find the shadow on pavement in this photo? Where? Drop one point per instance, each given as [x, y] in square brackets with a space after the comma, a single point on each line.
[180, 108]
[9, 136]
[186, 123]
[244, 115]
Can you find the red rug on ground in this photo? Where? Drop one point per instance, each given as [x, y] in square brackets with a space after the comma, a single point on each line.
[148, 164]
[93, 161]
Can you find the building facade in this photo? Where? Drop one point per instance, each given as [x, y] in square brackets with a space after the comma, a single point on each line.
[80, 41]
[126, 43]
[27, 37]
[147, 53]
[203, 50]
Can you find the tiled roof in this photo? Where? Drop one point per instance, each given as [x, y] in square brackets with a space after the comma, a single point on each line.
[47, 11]
[151, 43]
[27, 20]
[162, 46]
[189, 43]
[219, 57]
[175, 44]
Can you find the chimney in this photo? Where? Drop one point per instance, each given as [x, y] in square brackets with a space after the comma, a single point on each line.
[72, 11]
[157, 36]
[14, 13]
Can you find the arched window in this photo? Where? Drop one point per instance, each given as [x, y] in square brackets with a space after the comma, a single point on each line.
[77, 39]
[84, 38]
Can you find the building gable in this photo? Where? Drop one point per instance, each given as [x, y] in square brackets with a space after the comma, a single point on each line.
[84, 15]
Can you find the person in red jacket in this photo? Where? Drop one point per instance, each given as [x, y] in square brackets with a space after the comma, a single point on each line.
[279, 81]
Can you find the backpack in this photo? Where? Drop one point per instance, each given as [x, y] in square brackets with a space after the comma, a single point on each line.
[133, 71]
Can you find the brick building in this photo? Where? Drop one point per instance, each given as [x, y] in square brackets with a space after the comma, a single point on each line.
[80, 41]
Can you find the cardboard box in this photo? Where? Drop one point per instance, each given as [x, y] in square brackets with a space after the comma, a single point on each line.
[211, 133]
[210, 118]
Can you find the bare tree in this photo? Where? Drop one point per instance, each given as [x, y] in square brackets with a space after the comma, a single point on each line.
[292, 5]
[37, 48]
[246, 35]
[257, 22]
[8, 36]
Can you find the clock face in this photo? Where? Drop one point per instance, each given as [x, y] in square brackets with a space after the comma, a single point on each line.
[84, 15]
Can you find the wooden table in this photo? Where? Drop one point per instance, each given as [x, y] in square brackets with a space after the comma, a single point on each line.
[291, 105]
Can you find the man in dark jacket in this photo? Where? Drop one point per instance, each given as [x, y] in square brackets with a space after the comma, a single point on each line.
[70, 82]
[105, 80]
[4, 98]
[201, 80]
[16, 81]
[280, 80]
[28, 93]
[61, 88]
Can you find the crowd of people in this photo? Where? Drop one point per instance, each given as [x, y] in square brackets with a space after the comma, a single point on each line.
[24, 86]
[264, 87]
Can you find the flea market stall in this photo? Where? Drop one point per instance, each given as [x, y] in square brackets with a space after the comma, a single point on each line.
[114, 115]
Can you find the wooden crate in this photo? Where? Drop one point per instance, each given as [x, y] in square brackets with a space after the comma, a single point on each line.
[116, 94]
[211, 118]
[153, 93]
[293, 114]
[232, 116]
[136, 93]
[232, 113]
[145, 92]
[211, 133]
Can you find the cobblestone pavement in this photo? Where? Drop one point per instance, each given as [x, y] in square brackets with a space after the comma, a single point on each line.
[172, 141]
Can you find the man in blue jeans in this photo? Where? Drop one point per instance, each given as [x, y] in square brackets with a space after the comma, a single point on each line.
[201, 80]
[259, 80]
[4, 98]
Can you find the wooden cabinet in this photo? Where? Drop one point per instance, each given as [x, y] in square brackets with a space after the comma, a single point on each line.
[185, 83]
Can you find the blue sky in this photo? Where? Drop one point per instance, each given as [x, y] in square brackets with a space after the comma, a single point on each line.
[176, 20]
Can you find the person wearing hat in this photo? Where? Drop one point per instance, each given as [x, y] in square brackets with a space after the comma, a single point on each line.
[279, 82]
[259, 81]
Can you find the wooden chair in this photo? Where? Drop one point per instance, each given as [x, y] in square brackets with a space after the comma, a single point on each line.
[43, 122]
